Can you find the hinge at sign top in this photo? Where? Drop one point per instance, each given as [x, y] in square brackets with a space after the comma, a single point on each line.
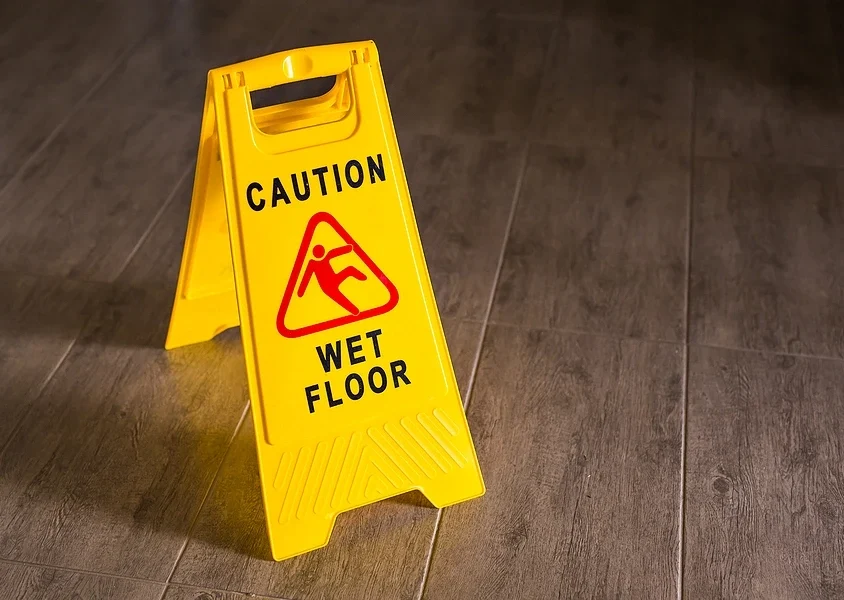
[364, 56]
[227, 80]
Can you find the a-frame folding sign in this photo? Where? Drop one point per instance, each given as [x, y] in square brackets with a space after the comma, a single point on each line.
[301, 230]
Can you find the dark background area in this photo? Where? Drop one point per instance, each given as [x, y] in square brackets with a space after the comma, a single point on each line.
[632, 216]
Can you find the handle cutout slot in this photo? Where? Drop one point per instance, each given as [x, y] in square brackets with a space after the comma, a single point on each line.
[300, 104]
[286, 93]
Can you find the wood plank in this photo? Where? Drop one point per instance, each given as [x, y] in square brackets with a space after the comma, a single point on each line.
[109, 468]
[767, 84]
[52, 55]
[177, 592]
[39, 320]
[547, 9]
[598, 244]
[836, 21]
[764, 514]
[81, 208]
[664, 18]
[766, 244]
[462, 191]
[43, 583]
[155, 265]
[579, 439]
[169, 68]
[618, 85]
[378, 551]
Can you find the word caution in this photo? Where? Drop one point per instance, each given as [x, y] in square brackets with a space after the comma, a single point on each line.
[327, 178]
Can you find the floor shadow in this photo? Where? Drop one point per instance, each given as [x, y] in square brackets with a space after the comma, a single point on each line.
[790, 48]
[114, 314]
[134, 435]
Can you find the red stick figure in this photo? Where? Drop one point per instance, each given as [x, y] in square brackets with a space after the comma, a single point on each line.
[329, 281]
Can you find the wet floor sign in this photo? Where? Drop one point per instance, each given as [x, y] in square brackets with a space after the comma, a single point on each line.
[301, 230]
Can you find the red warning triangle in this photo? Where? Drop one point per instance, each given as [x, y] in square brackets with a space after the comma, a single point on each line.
[319, 272]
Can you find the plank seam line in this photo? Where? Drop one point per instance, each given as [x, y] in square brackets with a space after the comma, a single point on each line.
[517, 191]
[42, 388]
[155, 219]
[684, 406]
[166, 586]
[77, 106]
[195, 518]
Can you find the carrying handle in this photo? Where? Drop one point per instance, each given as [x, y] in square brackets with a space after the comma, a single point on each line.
[304, 63]
[331, 106]
[288, 67]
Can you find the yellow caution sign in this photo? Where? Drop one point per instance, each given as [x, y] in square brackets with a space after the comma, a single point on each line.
[301, 230]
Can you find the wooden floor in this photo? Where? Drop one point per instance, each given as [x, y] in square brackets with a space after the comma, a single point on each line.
[633, 213]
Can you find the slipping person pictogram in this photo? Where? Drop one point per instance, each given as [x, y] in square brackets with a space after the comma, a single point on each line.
[328, 280]
[377, 296]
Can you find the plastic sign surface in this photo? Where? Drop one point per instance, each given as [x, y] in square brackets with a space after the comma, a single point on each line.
[302, 231]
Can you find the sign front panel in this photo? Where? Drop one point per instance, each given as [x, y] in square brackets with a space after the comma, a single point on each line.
[354, 396]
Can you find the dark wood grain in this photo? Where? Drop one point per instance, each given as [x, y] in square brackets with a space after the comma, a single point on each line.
[659, 15]
[618, 85]
[51, 55]
[111, 465]
[378, 551]
[598, 244]
[39, 320]
[446, 72]
[81, 208]
[169, 68]
[765, 498]
[766, 256]
[42, 583]
[836, 21]
[767, 83]
[177, 592]
[462, 191]
[579, 440]
[155, 264]
[547, 9]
